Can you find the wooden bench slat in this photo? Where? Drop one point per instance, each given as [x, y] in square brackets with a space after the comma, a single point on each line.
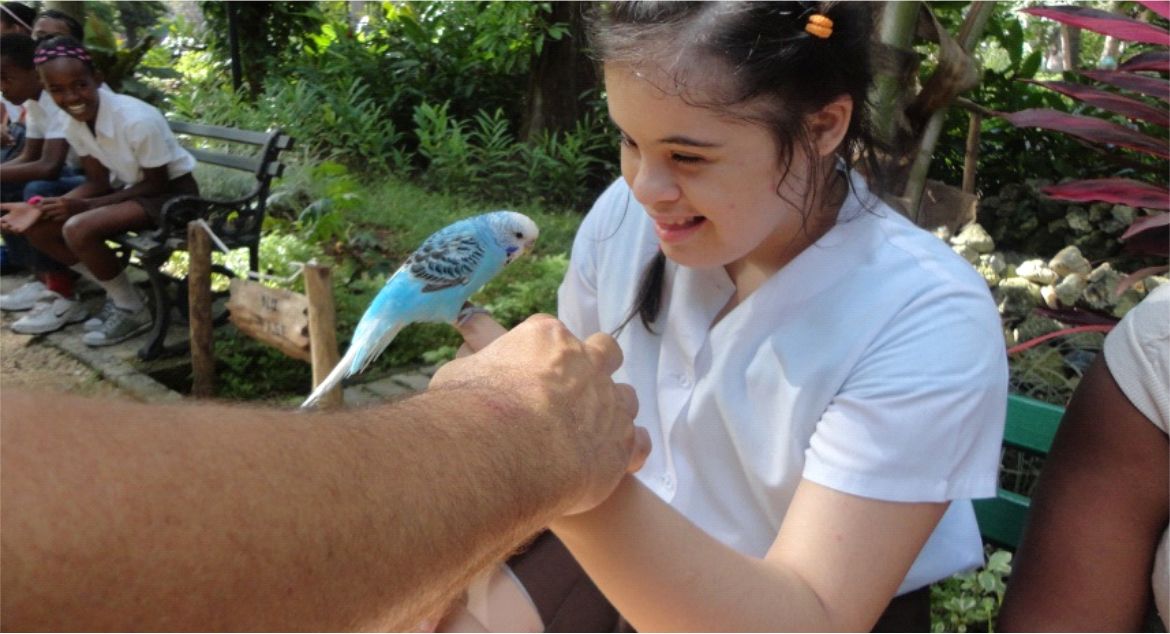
[1031, 424]
[221, 133]
[243, 163]
[1002, 518]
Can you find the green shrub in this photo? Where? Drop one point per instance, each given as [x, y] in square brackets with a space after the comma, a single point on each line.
[969, 602]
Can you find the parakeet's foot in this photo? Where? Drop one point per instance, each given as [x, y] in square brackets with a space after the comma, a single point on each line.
[468, 311]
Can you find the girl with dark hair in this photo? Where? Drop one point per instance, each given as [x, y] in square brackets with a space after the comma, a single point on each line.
[133, 166]
[824, 383]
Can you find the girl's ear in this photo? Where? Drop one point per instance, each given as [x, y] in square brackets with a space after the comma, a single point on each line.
[828, 125]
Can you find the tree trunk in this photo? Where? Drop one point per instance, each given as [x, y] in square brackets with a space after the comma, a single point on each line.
[560, 74]
[73, 8]
[1070, 47]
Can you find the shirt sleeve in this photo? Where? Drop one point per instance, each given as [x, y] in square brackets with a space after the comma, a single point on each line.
[921, 417]
[1137, 353]
[577, 304]
[152, 142]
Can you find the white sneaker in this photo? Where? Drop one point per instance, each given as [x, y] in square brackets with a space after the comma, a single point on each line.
[23, 298]
[100, 317]
[54, 313]
[122, 325]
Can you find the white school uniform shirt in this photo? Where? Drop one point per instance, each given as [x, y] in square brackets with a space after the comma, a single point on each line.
[873, 364]
[129, 135]
[43, 119]
[1137, 353]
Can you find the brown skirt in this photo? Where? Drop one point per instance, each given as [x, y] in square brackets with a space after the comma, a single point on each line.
[568, 600]
[184, 185]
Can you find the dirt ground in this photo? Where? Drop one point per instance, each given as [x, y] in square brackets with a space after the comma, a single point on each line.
[27, 361]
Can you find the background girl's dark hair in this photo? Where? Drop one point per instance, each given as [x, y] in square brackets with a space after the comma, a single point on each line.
[18, 48]
[75, 28]
[66, 42]
[767, 58]
[26, 14]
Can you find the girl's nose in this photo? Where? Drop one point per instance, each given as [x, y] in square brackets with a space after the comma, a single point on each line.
[652, 184]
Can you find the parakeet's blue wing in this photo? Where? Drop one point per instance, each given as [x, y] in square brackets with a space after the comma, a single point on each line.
[447, 260]
[432, 284]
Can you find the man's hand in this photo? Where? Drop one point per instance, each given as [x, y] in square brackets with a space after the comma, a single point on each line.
[581, 418]
[18, 217]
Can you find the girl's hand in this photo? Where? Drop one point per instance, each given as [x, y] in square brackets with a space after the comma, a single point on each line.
[18, 217]
[61, 209]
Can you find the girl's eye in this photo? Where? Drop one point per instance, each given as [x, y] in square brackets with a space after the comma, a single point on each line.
[685, 158]
[628, 142]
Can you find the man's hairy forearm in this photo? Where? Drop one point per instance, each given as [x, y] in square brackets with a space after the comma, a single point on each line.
[260, 519]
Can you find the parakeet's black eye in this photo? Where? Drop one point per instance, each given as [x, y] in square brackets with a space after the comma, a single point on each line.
[519, 236]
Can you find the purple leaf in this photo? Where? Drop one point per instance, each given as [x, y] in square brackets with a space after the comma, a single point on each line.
[1121, 191]
[1146, 223]
[1113, 102]
[1150, 60]
[1161, 7]
[1088, 128]
[1151, 86]
[1105, 23]
[1077, 316]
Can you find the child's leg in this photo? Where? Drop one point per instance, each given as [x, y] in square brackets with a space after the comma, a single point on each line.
[86, 234]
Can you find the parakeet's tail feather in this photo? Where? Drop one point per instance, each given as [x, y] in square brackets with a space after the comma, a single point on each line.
[359, 356]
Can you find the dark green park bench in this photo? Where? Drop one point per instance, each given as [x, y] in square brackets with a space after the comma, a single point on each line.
[1031, 426]
[236, 221]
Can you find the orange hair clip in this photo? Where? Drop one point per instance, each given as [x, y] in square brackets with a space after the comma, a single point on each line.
[819, 26]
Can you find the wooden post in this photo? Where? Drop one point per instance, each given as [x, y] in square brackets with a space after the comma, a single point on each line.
[971, 157]
[199, 302]
[322, 329]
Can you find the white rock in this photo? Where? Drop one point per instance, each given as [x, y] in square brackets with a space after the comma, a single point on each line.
[1069, 260]
[1035, 271]
[967, 253]
[976, 237]
[1069, 290]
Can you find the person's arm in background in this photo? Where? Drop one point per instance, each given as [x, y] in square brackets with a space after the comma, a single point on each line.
[1098, 512]
[39, 160]
[162, 517]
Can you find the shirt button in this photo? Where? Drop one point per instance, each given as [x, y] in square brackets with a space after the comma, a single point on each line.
[684, 380]
[668, 481]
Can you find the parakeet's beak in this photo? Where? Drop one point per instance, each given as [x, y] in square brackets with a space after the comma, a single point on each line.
[515, 252]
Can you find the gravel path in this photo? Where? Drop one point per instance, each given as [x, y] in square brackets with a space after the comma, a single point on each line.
[26, 360]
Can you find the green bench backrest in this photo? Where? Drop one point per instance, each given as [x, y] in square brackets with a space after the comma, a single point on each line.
[1030, 426]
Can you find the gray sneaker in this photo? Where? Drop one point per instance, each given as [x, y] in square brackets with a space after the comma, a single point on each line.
[51, 314]
[103, 313]
[122, 325]
[23, 298]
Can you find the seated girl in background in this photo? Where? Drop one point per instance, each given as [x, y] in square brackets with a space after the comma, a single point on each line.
[823, 382]
[133, 165]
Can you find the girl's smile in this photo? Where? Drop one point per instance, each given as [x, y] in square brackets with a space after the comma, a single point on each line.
[73, 86]
[712, 183]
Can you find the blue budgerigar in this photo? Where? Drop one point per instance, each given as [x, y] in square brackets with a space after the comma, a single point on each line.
[433, 284]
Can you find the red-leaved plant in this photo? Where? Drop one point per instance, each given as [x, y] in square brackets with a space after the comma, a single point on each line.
[1144, 74]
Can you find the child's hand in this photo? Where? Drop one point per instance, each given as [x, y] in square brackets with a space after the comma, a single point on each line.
[60, 209]
[18, 217]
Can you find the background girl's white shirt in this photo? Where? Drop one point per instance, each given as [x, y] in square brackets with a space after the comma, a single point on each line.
[129, 135]
[873, 364]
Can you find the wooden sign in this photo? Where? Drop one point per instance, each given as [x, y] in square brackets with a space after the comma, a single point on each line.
[277, 317]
